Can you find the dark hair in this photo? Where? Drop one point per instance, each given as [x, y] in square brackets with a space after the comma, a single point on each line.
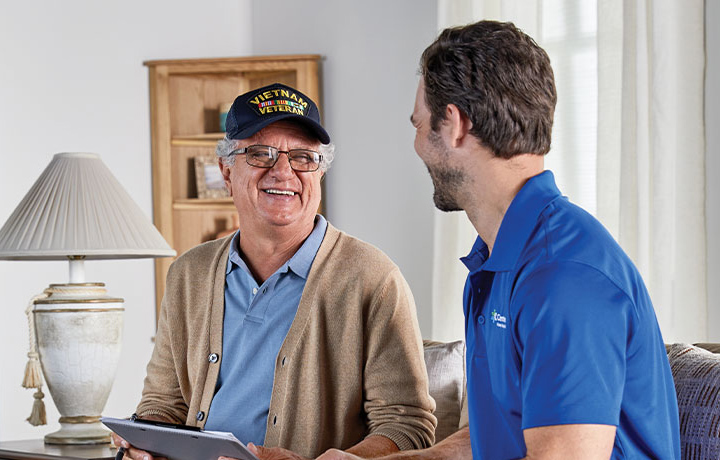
[497, 76]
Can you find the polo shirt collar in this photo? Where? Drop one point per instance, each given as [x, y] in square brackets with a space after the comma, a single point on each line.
[300, 263]
[517, 225]
[234, 259]
[475, 260]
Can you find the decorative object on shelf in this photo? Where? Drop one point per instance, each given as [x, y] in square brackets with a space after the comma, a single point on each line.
[76, 210]
[224, 108]
[209, 179]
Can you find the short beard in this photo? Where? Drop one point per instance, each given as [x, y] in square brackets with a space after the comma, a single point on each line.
[447, 181]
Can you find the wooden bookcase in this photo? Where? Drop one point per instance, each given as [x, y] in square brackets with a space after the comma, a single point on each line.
[185, 100]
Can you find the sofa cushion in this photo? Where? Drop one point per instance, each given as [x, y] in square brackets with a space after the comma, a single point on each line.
[697, 383]
[713, 347]
[445, 364]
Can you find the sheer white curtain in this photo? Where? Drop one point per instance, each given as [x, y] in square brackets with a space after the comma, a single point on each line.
[651, 151]
[617, 67]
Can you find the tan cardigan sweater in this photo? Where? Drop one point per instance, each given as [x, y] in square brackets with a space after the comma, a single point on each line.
[351, 365]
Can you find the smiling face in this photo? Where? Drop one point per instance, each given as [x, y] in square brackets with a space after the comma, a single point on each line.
[270, 198]
[430, 147]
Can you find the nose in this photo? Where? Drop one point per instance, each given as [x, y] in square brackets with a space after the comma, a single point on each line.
[281, 169]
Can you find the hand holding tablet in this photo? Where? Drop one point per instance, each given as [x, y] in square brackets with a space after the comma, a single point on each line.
[178, 442]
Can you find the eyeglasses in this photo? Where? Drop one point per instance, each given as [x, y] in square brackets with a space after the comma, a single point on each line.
[265, 156]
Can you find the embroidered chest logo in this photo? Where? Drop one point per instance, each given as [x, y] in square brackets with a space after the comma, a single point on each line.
[278, 100]
[498, 319]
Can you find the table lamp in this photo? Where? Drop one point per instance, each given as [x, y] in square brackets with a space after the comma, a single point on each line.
[77, 211]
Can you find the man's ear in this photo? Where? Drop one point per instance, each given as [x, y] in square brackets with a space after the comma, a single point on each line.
[459, 125]
[225, 170]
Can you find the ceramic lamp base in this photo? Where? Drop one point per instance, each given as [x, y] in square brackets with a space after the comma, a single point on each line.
[79, 336]
[79, 433]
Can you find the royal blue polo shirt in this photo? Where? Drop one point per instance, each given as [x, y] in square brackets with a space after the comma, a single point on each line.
[257, 319]
[560, 330]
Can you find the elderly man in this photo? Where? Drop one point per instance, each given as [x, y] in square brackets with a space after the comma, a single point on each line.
[290, 333]
[565, 358]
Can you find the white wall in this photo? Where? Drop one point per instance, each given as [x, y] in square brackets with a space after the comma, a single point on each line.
[712, 158]
[377, 188]
[72, 79]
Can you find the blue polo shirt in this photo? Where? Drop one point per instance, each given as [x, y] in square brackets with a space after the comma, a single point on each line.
[257, 319]
[560, 330]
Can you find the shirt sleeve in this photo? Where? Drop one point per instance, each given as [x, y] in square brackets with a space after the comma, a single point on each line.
[571, 331]
[397, 399]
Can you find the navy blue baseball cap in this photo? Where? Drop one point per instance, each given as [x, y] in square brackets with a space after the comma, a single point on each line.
[260, 107]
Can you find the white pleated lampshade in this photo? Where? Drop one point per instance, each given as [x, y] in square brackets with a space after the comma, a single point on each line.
[78, 208]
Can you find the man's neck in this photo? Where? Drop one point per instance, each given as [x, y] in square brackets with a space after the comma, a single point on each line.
[265, 250]
[499, 183]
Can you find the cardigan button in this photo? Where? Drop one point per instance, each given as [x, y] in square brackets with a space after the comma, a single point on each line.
[213, 358]
[200, 416]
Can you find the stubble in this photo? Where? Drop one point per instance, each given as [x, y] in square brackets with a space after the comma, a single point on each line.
[447, 181]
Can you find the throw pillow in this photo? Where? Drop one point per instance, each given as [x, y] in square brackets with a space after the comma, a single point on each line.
[445, 364]
[697, 382]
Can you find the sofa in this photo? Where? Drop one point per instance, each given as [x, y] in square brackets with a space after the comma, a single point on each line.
[695, 369]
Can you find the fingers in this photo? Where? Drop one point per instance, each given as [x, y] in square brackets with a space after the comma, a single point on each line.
[116, 440]
[263, 453]
[137, 454]
[131, 452]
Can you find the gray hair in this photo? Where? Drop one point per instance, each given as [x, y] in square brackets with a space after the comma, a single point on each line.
[226, 146]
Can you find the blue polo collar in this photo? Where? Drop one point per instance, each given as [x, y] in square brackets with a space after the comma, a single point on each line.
[517, 226]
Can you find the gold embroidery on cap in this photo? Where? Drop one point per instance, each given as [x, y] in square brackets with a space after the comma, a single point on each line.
[278, 100]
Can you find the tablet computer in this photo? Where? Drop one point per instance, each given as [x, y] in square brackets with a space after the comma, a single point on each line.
[178, 442]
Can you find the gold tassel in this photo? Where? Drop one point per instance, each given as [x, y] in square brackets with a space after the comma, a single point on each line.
[33, 373]
[37, 416]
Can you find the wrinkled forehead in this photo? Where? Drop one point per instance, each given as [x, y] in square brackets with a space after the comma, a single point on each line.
[283, 133]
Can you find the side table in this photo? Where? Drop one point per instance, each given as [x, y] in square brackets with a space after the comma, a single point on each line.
[36, 449]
